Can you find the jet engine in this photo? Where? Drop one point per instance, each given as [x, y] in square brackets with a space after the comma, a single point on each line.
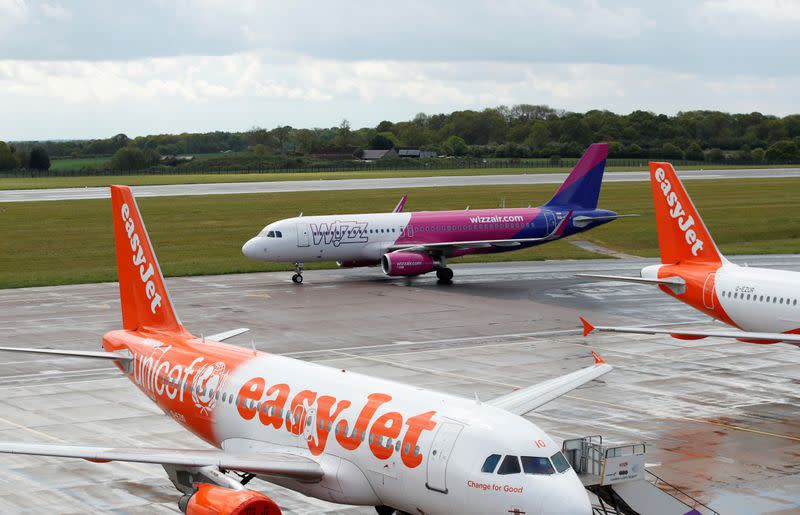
[217, 500]
[355, 263]
[409, 263]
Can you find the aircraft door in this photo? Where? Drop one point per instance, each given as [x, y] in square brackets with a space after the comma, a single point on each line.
[708, 291]
[302, 234]
[439, 455]
[551, 220]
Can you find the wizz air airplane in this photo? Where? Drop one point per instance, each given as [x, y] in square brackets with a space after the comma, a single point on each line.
[411, 244]
[762, 302]
[325, 432]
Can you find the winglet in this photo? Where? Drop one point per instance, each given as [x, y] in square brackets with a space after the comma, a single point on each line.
[587, 327]
[598, 359]
[400, 205]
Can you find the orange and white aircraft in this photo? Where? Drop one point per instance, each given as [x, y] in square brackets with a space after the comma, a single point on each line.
[327, 433]
[762, 302]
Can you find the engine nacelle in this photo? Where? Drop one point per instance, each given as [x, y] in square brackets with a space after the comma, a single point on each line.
[217, 500]
[409, 263]
[355, 263]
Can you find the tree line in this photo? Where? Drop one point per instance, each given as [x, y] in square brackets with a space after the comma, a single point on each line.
[518, 131]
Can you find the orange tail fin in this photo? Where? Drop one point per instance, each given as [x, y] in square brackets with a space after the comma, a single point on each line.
[682, 235]
[142, 290]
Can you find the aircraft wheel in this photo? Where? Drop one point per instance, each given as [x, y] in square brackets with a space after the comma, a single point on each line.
[385, 510]
[297, 279]
[445, 275]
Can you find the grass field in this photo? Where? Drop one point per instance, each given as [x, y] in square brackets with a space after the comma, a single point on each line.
[15, 183]
[79, 163]
[63, 242]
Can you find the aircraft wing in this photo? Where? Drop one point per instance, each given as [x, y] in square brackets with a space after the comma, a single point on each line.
[451, 246]
[670, 281]
[744, 336]
[271, 463]
[226, 334]
[71, 353]
[525, 400]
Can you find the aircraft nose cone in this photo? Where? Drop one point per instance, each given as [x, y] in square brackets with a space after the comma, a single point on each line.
[253, 249]
[568, 498]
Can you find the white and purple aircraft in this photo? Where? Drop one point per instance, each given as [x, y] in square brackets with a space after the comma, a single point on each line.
[410, 244]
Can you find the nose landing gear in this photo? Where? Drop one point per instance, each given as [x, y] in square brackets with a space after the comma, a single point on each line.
[297, 278]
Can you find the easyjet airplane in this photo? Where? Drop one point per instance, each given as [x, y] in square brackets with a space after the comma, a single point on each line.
[325, 432]
[410, 244]
[762, 302]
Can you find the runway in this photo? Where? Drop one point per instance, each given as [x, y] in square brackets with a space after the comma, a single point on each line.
[721, 419]
[172, 190]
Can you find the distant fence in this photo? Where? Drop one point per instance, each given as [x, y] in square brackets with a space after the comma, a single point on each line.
[364, 166]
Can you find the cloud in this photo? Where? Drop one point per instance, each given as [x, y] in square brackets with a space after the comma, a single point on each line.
[234, 92]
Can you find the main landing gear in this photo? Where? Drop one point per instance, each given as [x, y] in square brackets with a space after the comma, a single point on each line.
[297, 278]
[445, 275]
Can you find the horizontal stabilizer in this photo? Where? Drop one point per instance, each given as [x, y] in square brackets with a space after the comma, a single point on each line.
[71, 353]
[584, 220]
[745, 336]
[525, 400]
[221, 337]
[271, 463]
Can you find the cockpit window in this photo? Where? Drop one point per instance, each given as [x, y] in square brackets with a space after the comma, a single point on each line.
[278, 234]
[510, 465]
[537, 465]
[560, 461]
[271, 234]
[490, 463]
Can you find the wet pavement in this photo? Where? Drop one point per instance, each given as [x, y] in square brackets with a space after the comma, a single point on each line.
[721, 419]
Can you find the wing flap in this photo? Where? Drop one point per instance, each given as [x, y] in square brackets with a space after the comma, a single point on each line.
[273, 463]
[525, 400]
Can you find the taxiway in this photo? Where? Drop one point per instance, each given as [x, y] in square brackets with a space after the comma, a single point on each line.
[222, 188]
[721, 419]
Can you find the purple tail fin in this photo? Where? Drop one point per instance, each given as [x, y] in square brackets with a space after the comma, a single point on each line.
[582, 187]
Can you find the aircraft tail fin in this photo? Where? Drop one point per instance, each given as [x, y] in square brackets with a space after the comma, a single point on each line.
[682, 235]
[581, 189]
[143, 293]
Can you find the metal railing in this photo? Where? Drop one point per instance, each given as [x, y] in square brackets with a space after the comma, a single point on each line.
[681, 495]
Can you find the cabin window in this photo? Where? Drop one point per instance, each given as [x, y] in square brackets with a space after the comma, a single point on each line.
[510, 465]
[560, 462]
[490, 464]
[537, 465]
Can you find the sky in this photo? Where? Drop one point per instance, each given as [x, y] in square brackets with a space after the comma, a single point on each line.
[86, 69]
